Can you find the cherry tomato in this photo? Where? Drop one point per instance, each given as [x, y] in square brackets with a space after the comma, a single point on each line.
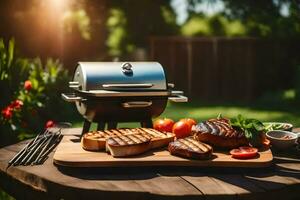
[190, 121]
[164, 125]
[181, 129]
[244, 152]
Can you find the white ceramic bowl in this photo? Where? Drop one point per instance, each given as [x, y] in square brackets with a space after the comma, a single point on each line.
[278, 140]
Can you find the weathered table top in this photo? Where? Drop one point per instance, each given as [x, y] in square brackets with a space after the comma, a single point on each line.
[48, 181]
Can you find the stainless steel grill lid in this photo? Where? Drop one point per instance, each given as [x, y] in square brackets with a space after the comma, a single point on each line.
[111, 92]
[119, 76]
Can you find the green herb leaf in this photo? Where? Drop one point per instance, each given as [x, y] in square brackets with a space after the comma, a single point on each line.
[251, 127]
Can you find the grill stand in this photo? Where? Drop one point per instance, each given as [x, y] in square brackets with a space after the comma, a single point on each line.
[111, 125]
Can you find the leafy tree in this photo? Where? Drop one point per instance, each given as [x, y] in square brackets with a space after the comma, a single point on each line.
[259, 18]
[131, 22]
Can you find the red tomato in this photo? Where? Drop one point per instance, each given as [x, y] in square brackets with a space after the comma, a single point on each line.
[244, 152]
[190, 121]
[181, 129]
[49, 124]
[164, 125]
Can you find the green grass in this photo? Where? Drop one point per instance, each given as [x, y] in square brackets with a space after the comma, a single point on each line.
[4, 195]
[202, 111]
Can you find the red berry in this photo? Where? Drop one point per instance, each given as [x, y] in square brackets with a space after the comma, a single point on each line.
[49, 124]
[17, 104]
[27, 85]
[7, 112]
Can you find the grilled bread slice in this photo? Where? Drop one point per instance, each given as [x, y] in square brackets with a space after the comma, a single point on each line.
[128, 145]
[158, 139]
[219, 133]
[96, 140]
[93, 141]
[190, 148]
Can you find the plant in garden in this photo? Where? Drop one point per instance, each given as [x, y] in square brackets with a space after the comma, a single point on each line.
[32, 93]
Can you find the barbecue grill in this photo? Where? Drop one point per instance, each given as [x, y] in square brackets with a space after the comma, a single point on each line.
[112, 92]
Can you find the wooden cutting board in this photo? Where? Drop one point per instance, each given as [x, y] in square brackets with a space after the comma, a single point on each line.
[70, 153]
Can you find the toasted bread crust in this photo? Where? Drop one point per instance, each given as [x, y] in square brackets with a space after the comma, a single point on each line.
[92, 141]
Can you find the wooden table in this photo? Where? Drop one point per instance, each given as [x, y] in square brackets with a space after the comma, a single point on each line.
[48, 181]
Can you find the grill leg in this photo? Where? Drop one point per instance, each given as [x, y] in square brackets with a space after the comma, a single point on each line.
[147, 124]
[112, 125]
[86, 126]
[100, 126]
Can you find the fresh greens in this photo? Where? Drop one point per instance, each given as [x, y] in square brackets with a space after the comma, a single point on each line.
[270, 126]
[252, 128]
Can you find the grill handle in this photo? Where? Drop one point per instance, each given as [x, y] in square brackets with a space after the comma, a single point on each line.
[137, 104]
[177, 96]
[128, 85]
[71, 97]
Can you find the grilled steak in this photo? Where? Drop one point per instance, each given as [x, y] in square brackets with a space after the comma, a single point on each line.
[219, 133]
[190, 148]
[128, 145]
[96, 140]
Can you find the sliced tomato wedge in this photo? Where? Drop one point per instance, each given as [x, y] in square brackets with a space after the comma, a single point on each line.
[244, 152]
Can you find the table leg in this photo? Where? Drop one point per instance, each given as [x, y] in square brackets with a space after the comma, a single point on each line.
[147, 123]
[100, 126]
[86, 126]
[112, 125]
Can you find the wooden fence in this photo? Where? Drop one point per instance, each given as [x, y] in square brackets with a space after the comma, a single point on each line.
[226, 68]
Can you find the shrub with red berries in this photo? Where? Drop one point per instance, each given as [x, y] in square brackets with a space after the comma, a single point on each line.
[7, 112]
[32, 94]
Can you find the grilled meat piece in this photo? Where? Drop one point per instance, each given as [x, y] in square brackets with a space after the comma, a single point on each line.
[190, 148]
[128, 145]
[219, 133]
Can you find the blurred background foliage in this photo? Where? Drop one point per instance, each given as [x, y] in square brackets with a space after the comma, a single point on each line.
[129, 24]
[117, 28]
[102, 30]
[32, 94]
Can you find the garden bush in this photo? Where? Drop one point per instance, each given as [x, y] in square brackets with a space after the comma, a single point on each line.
[30, 94]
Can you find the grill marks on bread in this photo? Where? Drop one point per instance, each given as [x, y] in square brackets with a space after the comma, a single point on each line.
[96, 140]
[130, 139]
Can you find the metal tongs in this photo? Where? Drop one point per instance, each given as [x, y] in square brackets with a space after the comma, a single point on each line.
[37, 150]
